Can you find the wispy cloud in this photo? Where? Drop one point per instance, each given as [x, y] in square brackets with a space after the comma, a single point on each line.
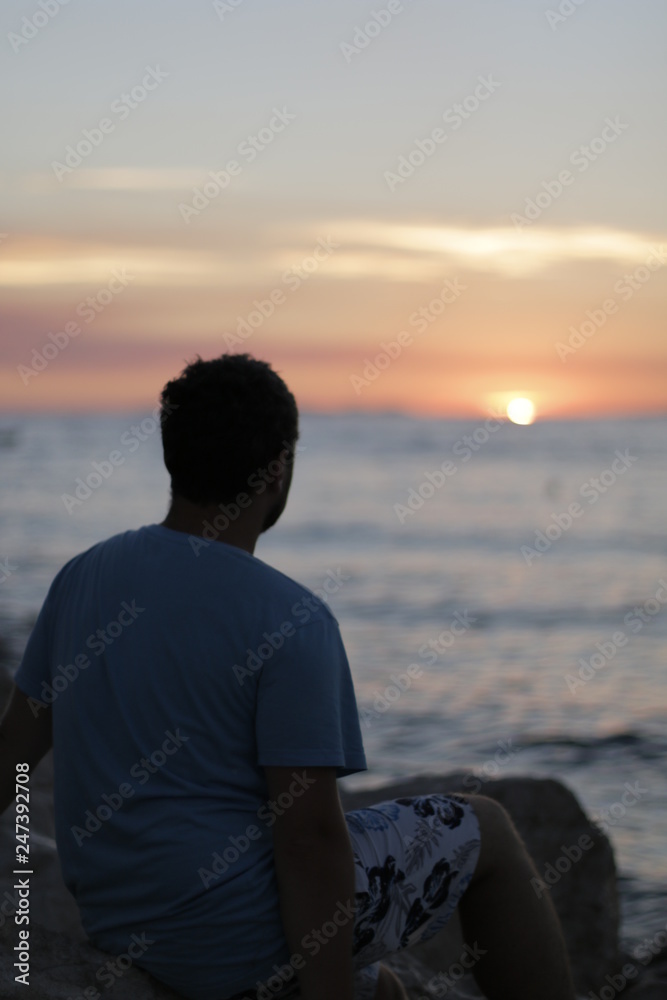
[368, 251]
[500, 249]
[62, 263]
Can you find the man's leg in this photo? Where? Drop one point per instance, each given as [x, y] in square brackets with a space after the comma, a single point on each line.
[389, 986]
[525, 955]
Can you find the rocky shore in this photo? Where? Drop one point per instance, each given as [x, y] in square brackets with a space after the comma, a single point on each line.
[573, 857]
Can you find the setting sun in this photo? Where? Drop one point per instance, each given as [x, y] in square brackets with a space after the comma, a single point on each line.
[521, 410]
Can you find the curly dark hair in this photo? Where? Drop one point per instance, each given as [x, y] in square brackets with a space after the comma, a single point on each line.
[223, 420]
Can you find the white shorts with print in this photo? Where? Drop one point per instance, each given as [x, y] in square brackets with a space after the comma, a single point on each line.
[413, 859]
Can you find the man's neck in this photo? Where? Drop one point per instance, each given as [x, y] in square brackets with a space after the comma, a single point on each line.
[212, 524]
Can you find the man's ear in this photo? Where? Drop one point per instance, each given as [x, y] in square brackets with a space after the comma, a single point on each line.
[285, 460]
[278, 484]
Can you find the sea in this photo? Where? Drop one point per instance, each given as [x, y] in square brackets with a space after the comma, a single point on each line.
[501, 590]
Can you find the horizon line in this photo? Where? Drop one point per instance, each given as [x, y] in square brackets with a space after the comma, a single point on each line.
[351, 411]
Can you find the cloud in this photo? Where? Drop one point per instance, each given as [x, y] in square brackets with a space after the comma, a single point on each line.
[503, 250]
[368, 251]
[39, 262]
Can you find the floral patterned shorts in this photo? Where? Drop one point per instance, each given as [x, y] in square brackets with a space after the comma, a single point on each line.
[413, 859]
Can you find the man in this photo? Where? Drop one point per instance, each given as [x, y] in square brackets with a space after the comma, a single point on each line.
[201, 707]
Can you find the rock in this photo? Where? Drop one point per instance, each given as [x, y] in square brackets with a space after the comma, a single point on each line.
[63, 968]
[549, 819]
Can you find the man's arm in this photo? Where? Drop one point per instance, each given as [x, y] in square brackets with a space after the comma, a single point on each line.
[315, 873]
[25, 736]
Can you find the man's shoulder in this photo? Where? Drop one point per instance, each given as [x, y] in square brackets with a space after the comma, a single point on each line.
[304, 605]
[113, 541]
[281, 592]
[96, 550]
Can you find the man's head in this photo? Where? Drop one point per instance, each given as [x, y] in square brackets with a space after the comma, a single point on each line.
[229, 427]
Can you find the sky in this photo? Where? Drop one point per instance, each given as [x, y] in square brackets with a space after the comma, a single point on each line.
[414, 205]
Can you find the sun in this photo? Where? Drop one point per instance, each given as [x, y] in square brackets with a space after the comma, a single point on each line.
[521, 410]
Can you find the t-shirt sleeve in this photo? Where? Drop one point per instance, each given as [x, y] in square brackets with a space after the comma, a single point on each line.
[306, 706]
[34, 671]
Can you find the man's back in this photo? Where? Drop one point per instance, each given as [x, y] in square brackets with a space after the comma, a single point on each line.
[177, 669]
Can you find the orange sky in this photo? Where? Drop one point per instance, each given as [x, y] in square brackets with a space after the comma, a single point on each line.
[523, 253]
[468, 318]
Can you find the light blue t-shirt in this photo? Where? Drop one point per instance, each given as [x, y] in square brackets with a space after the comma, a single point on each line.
[176, 670]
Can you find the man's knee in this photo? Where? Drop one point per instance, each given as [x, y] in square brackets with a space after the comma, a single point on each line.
[498, 835]
[389, 986]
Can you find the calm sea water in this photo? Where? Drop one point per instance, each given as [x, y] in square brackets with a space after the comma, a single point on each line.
[497, 620]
